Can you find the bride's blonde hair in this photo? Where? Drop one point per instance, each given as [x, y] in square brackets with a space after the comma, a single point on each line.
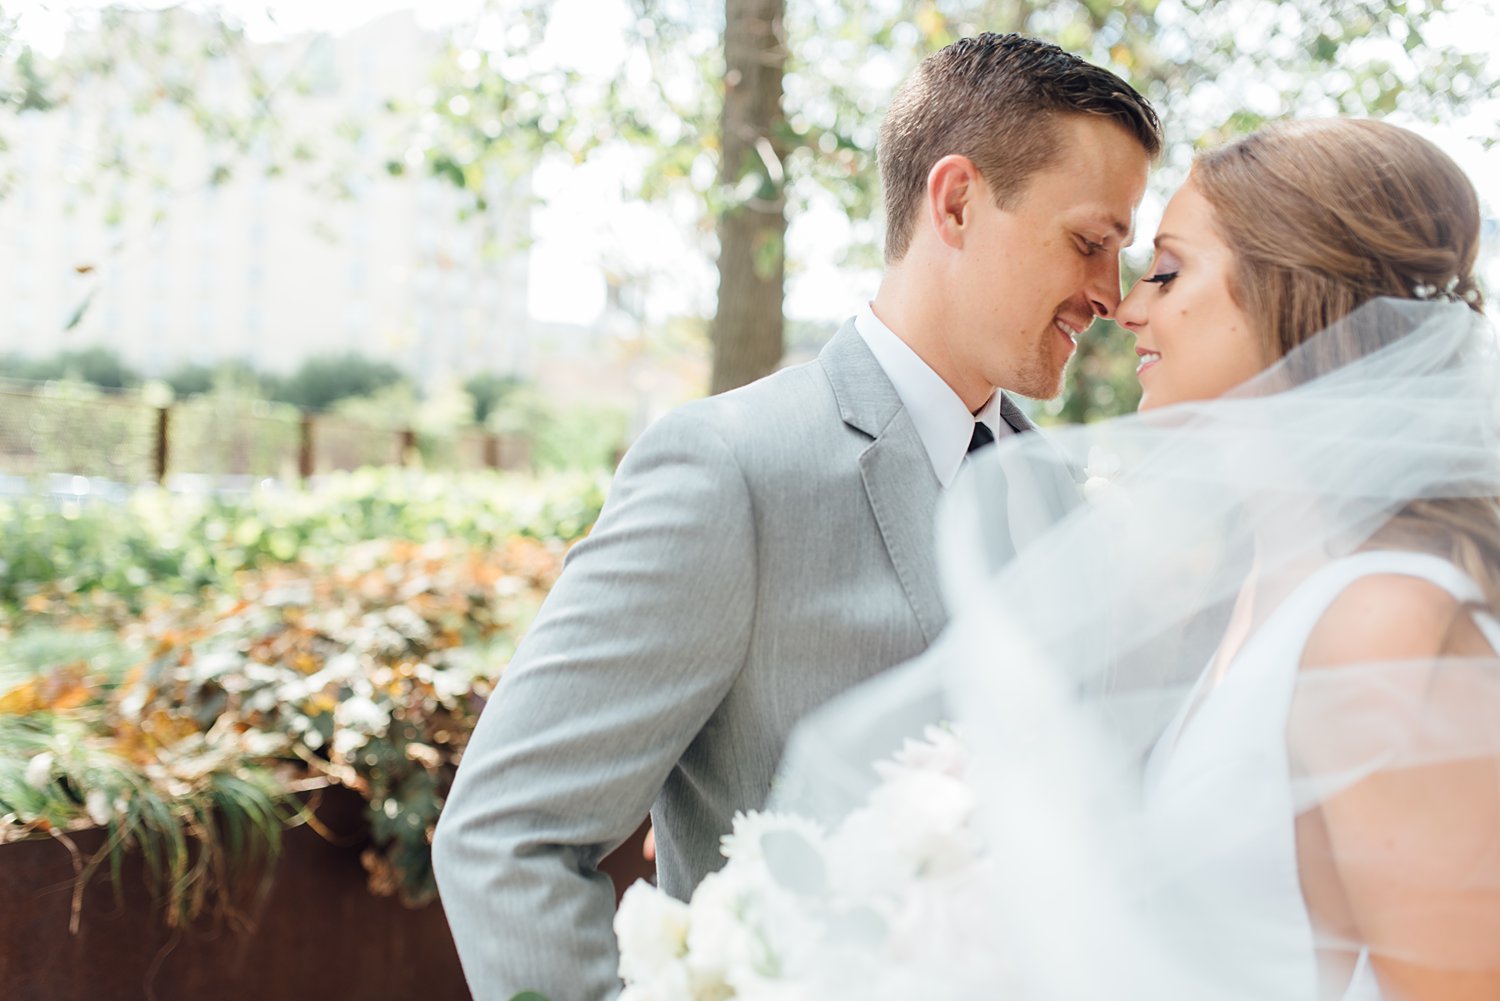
[1323, 216]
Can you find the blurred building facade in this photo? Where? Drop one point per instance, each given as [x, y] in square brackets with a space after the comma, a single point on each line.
[264, 269]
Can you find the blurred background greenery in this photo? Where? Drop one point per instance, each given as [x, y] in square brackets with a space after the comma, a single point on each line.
[730, 147]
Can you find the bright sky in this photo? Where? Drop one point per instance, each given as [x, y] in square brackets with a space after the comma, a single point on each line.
[582, 223]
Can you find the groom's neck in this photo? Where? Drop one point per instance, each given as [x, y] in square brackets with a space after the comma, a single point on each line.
[913, 301]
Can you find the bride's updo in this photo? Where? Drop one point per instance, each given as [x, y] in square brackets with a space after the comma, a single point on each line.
[1324, 215]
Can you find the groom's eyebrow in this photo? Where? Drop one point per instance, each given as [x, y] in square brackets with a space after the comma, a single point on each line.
[1102, 219]
[1122, 230]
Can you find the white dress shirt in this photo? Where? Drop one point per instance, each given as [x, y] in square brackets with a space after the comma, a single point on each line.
[943, 422]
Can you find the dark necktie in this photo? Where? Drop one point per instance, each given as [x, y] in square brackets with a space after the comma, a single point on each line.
[982, 436]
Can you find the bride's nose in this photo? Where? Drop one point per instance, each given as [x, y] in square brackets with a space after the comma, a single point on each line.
[1131, 313]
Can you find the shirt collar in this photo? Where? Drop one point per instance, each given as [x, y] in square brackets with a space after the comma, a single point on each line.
[943, 422]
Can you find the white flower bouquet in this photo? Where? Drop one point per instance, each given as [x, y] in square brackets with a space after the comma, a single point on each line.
[800, 912]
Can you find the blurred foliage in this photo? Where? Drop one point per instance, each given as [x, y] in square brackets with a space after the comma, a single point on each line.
[1215, 68]
[323, 380]
[227, 377]
[98, 366]
[233, 420]
[176, 668]
[231, 429]
[77, 426]
[204, 809]
[488, 390]
[176, 60]
[562, 436]
[367, 665]
[503, 101]
[158, 542]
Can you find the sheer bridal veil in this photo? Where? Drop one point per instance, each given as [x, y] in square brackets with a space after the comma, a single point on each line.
[1172, 804]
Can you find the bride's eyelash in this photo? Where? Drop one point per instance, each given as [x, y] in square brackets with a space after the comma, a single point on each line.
[1163, 279]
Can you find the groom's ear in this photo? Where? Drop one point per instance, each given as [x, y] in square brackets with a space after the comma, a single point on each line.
[953, 184]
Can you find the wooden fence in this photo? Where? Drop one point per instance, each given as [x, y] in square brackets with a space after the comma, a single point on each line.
[122, 438]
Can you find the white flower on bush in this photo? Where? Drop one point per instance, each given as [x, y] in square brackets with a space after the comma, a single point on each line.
[356, 719]
[97, 805]
[212, 664]
[338, 668]
[359, 712]
[346, 742]
[39, 770]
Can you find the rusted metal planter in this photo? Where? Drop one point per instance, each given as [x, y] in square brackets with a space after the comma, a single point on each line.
[317, 934]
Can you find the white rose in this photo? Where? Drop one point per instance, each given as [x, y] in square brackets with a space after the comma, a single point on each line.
[652, 929]
[920, 823]
[670, 983]
[940, 750]
[722, 943]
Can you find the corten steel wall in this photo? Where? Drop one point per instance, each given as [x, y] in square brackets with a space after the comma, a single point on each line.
[319, 935]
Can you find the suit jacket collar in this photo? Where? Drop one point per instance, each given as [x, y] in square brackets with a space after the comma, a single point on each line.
[1012, 415]
[866, 398]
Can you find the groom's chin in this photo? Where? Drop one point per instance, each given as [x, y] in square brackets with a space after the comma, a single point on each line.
[1051, 390]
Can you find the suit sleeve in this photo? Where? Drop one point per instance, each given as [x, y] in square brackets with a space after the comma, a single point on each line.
[633, 650]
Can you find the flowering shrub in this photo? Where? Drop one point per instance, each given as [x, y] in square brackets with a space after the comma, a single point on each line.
[124, 553]
[184, 722]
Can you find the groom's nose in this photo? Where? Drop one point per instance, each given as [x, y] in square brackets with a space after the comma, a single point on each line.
[1104, 286]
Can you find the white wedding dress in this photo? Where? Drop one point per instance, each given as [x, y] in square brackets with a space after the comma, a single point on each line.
[1141, 813]
[1220, 776]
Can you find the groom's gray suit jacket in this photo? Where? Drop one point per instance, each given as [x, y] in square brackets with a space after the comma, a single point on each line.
[760, 552]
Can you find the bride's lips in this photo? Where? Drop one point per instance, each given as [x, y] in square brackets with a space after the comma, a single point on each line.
[1148, 359]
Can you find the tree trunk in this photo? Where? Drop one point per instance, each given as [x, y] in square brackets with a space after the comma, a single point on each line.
[747, 329]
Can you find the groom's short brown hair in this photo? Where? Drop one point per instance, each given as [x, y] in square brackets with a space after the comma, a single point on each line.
[994, 99]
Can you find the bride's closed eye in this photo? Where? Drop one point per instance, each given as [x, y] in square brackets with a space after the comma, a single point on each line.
[1163, 269]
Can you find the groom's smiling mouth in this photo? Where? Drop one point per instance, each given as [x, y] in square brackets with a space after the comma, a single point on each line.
[1068, 330]
[1148, 358]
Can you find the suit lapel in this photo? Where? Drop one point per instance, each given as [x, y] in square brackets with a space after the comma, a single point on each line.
[897, 473]
[903, 495]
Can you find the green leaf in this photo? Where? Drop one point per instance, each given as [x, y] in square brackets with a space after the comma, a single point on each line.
[76, 317]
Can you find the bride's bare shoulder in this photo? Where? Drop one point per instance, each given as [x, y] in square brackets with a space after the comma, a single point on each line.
[1388, 617]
